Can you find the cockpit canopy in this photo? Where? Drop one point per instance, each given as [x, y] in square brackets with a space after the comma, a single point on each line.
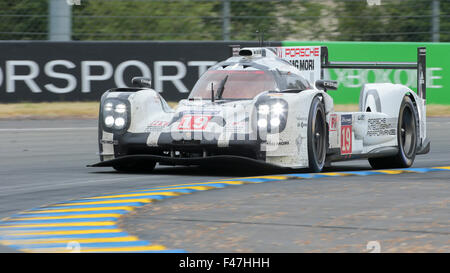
[245, 84]
[236, 84]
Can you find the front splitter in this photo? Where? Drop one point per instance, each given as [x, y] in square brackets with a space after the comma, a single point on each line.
[210, 160]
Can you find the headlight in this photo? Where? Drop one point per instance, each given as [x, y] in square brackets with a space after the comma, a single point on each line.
[275, 122]
[115, 114]
[109, 121]
[278, 108]
[272, 114]
[121, 108]
[108, 107]
[262, 123]
[119, 123]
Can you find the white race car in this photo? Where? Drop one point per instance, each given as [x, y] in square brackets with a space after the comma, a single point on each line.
[266, 106]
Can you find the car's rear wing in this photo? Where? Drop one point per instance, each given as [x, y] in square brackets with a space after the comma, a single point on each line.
[420, 65]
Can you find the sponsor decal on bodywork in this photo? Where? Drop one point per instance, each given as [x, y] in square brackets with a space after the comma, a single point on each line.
[346, 134]
[333, 122]
[382, 127]
[236, 127]
[202, 111]
[156, 125]
[270, 143]
[194, 122]
[302, 122]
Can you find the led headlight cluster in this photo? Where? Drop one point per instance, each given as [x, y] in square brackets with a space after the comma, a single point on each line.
[115, 114]
[272, 115]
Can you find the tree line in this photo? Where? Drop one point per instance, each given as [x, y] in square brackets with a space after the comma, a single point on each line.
[340, 20]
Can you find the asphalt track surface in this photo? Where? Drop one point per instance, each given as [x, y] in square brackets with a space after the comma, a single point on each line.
[43, 162]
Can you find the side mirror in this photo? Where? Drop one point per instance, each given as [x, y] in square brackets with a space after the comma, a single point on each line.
[325, 85]
[142, 82]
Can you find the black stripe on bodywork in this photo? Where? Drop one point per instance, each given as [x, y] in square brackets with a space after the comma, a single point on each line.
[136, 143]
[219, 160]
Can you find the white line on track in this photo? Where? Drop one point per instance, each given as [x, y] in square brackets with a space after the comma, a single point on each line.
[47, 129]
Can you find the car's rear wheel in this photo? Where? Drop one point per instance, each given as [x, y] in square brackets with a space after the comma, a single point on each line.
[135, 167]
[407, 139]
[317, 136]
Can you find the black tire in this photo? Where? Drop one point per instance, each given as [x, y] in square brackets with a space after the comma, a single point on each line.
[317, 136]
[407, 139]
[135, 167]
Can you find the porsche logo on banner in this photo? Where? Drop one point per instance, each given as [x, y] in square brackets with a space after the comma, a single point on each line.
[305, 58]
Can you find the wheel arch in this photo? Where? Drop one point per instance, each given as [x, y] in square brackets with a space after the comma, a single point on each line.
[386, 98]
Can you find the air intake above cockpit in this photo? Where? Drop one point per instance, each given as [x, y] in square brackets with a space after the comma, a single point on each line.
[252, 52]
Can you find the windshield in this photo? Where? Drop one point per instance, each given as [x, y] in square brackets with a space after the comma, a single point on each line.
[233, 84]
[296, 82]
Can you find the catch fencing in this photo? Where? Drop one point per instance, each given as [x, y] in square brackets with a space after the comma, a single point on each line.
[213, 20]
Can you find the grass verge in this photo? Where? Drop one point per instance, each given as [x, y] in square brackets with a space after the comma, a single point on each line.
[50, 110]
[89, 110]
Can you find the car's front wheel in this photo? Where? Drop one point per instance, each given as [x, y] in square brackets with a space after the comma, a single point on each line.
[407, 139]
[317, 136]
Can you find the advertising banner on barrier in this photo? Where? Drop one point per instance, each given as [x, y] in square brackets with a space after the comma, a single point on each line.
[83, 71]
[304, 58]
[351, 80]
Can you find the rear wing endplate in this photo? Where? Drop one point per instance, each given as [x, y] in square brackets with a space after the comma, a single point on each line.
[420, 66]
